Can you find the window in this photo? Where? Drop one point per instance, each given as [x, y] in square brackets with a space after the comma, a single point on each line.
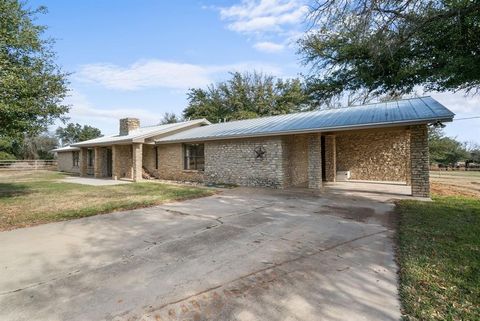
[76, 158]
[194, 157]
[90, 157]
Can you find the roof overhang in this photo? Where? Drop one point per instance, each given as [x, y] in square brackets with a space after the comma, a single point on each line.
[312, 130]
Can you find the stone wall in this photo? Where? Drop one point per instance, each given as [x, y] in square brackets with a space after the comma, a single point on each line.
[122, 161]
[420, 179]
[149, 159]
[295, 160]
[65, 162]
[314, 161]
[100, 162]
[235, 162]
[378, 155]
[170, 164]
[330, 158]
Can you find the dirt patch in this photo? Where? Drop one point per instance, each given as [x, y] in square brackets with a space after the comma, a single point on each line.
[452, 184]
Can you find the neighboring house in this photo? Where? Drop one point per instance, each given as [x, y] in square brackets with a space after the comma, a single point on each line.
[376, 142]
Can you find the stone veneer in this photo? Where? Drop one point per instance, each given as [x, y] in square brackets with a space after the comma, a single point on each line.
[314, 161]
[170, 164]
[122, 161]
[234, 162]
[420, 179]
[295, 160]
[137, 162]
[128, 124]
[330, 158]
[377, 155]
[65, 162]
[100, 162]
[83, 161]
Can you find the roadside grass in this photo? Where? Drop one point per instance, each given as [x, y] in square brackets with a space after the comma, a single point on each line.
[31, 198]
[439, 258]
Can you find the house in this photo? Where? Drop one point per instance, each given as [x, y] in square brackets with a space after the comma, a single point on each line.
[124, 155]
[385, 141]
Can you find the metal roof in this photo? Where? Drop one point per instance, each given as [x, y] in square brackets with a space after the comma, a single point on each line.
[401, 112]
[139, 135]
[65, 149]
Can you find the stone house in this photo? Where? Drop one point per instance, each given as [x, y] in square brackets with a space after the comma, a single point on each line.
[385, 141]
[122, 156]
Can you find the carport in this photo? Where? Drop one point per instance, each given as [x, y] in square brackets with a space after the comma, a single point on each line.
[383, 142]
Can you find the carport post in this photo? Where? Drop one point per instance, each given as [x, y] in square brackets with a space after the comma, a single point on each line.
[419, 161]
[98, 162]
[315, 161]
[137, 159]
[330, 158]
[115, 164]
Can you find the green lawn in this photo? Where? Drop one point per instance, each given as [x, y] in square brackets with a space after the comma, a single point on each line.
[439, 258]
[30, 198]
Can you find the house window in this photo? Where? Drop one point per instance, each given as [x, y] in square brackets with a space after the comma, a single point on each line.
[90, 157]
[75, 158]
[194, 157]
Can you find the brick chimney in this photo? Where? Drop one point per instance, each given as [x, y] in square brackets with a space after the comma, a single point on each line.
[127, 125]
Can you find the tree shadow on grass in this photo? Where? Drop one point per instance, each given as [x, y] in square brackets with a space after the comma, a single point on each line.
[8, 190]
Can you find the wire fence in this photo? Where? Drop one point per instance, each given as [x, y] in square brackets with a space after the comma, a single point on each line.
[34, 164]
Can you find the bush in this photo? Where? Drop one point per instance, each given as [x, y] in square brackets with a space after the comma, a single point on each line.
[6, 156]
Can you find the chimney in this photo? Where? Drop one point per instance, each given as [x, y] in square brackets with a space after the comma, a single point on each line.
[127, 125]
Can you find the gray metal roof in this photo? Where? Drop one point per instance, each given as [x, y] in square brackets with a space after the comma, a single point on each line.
[402, 112]
[65, 149]
[140, 134]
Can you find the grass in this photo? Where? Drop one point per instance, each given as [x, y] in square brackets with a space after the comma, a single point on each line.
[439, 258]
[31, 198]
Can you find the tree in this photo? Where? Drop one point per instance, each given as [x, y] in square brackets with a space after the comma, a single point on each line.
[246, 95]
[74, 133]
[445, 150]
[392, 46]
[170, 118]
[32, 85]
[37, 147]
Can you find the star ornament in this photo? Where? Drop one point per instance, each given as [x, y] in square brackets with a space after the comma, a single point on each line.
[260, 153]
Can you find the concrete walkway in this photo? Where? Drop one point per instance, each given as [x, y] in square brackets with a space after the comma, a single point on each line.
[246, 254]
[93, 181]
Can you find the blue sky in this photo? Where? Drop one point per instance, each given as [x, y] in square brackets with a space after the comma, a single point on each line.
[138, 58]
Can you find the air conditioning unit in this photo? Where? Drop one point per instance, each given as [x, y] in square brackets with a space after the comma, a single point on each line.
[343, 176]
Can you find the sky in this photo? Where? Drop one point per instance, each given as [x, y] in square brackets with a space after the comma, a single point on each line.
[139, 58]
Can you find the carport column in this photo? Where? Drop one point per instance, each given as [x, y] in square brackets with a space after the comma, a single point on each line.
[115, 162]
[137, 161]
[83, 161]
[314, 161]
[330, 158]
[98, 162]
[419, 161]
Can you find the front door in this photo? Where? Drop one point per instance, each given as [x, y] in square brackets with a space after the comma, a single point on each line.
[109, 162]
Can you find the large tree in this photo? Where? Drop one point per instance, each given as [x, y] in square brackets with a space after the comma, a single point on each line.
[73, 133]
[246, 95]
[32, 86]
[445, 150]
[392, 46]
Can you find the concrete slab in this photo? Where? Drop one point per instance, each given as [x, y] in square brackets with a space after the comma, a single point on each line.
[93, 181]
[245, 254]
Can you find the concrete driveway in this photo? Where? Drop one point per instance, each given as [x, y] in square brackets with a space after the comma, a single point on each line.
[245, 254]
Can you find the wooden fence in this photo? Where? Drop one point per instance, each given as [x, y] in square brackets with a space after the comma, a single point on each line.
[24, 165]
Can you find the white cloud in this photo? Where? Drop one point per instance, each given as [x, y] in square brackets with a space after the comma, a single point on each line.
[269, 47]
[459, 102]
[84, 112]
[253, 16]
[144, 74]
[162, 74]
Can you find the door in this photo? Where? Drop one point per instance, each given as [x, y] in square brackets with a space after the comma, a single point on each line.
[109, 162]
